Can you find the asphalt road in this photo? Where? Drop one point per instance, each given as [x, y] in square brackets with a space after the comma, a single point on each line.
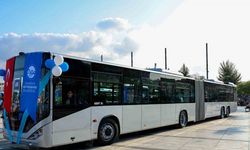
[231, 133]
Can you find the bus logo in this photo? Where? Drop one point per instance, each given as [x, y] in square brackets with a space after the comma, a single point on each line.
[31, 72]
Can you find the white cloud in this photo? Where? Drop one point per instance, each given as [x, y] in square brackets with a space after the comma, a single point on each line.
[87, 44]
[114, 24]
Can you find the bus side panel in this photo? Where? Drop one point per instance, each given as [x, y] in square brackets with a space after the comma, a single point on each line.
[151, 116]
[212, 109]
[189, 107]
[168, 114]
[73, 128]
[131, 115]
[100, 112]
[233, 106]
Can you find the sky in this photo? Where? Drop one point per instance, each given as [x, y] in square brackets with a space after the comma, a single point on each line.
[114, 28]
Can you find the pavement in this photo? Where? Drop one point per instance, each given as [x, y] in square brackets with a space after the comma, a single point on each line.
[231, 133]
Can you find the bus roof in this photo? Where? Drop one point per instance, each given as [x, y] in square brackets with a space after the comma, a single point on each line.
[164, 72]
[220, 83]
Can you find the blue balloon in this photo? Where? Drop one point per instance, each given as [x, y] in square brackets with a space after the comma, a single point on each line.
[2, 72]
[49, 63]
[64, 66]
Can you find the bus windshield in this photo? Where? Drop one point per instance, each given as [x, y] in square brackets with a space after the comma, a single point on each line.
[43, 103]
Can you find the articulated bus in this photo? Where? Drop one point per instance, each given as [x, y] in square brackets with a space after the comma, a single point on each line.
[99, 101]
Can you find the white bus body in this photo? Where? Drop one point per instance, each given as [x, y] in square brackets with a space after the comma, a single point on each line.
[84, 124]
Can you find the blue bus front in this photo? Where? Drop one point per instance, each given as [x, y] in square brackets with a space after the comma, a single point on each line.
[27, 106]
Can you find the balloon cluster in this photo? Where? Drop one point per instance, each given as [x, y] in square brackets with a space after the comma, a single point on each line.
[57, 65]
[2, 73]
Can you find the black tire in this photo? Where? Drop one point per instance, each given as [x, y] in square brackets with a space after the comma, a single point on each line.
[222, 113]
[227, 112]
[183, 119]
[107, 132]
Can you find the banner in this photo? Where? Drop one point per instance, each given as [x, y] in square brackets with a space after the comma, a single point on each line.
[31, 79]
[10, 64]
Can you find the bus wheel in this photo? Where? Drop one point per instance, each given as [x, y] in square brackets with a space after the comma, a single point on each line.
[222, 113]
[183, 119]
[227, 111]
[107, 132]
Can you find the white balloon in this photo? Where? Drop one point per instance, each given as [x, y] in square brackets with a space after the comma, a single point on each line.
[56, 71]
[58, 60]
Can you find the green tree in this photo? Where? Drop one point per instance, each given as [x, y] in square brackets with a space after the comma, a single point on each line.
[228, 73]
[184, 70]
[243, 88]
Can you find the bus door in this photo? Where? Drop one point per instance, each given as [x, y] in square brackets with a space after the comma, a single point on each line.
[71, 112]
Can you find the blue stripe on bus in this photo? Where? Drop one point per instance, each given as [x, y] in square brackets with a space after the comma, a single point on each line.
[44, 82]
[20, 131]
[7, 125]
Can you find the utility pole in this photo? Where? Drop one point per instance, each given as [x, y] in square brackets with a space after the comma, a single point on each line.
[101, 58]
[166, 65]
[207, 59]
[132, 59]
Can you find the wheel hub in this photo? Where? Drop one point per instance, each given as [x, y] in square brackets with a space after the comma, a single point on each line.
[107, 132]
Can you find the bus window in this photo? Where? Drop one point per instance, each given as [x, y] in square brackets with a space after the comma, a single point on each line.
[58, 93]
[145, 94]
[184, 91]
[150, 88]
[128, 93]
[106, 92]
[211, 92]
[117, 93]
[167, 90]
[75, 92]
[78, 68]
[106, 89]
[218, 93]
[70, 95]
[131, 87]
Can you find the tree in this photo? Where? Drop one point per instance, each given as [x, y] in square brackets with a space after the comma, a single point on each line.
[228, 73]
[243, 88]
[184, 70]
[243, 91]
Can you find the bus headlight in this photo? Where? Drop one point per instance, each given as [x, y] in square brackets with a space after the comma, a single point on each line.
[36, 134]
